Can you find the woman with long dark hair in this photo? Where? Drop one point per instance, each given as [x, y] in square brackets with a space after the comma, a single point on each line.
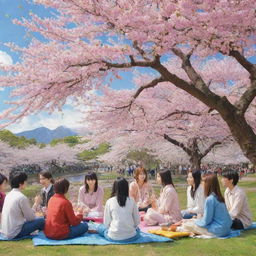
[90, 196]
[195, 196]
[166, 209]
[121, 215]
[216, 220]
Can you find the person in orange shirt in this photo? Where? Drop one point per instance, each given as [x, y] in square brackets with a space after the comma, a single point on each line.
[61, 221]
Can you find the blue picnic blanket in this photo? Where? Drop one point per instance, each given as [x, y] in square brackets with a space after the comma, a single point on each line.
[96, 239]
[233, 233]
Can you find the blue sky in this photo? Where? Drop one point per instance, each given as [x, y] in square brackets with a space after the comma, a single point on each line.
[16, 9]
[9, 10]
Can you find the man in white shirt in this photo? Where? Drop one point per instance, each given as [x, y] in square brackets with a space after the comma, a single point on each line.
[18, 219]
[236, 200]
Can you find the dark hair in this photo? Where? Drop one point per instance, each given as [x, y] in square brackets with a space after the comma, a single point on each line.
[211, 185]
[122, 191]
[166, 177]
[197, 179]
[138, 171]
[113, 192]
[17, 178]
[61, 186]
[2, 178]
[90, 176]
[231, 175]
[47, 175]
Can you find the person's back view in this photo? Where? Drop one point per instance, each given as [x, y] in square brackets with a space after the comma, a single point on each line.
[18, 218]
[121, 215]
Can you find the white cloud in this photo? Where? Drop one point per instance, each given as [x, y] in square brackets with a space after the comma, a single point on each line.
[5, 59]
[70, 118]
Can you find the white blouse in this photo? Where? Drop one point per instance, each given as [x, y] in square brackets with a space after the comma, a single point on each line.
[196, 205]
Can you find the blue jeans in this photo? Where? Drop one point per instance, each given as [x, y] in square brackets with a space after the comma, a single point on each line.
[103, 231]
[31, 226]
[78, 230]
[187, 215]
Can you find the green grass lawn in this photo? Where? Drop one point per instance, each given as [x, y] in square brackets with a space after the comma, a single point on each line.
[242, 245]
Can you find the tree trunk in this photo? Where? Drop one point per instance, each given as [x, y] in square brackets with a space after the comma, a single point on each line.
[195, 156]
[243, 134]
[195, 161]
[192, 149]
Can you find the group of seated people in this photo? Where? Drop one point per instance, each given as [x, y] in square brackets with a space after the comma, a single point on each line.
[207, 213]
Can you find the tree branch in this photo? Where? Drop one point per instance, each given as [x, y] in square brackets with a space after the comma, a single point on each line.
[177, 143]
[251, 68]
[210, 148]
[141, 51]
[190, 71]
[153, 83]
[245, 100]
[177, 112]
[109, 65]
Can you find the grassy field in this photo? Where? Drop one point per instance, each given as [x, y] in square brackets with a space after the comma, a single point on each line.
[242, 245]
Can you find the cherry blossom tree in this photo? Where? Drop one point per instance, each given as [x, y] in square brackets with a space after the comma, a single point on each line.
[161, 114]
[87, 44]
[11, 157]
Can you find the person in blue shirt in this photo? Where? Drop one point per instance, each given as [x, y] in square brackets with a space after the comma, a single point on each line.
[216, 220]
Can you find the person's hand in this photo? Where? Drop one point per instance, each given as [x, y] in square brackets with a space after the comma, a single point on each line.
[199, 216]
[44, 211]
[85, 210]
[37, 199]
[154, 204]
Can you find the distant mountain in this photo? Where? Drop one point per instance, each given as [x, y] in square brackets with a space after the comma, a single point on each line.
[45, 135]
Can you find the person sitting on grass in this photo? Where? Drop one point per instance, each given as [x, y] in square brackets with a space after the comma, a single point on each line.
[216, 220]
[140, 189]
[3, 182]
[121, 215]
[90, 196]
[41, 201]
[61, 221]
[195, 196]
[236, 200]
[18, 218]
[166, 209]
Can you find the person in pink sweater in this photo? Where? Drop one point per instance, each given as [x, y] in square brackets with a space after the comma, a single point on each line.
[140, 189]
[90, 196]
[166, 209]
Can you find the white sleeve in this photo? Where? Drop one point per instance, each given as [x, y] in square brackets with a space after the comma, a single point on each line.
[199, 201]
[107, 215]
[135, 214]
[27, 211]
[189, 199]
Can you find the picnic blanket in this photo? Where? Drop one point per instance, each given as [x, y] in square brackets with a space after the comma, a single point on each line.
[96, 239]
[158, 231]
[94, 219]
[145, 228]
[233, 233]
